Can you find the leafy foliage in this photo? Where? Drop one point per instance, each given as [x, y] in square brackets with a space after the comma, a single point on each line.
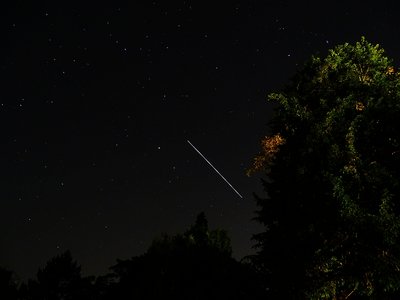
[332, 210]
[269, 148]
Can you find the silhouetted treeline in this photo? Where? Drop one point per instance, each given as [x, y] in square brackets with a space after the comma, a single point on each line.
[194, 265]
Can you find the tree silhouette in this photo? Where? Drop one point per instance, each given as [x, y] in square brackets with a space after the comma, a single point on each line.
[333, 167]
[197, 264]
[60, 279]
[193, 265]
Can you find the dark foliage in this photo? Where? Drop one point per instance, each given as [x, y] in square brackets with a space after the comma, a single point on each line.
[194, 265]
[59, 279]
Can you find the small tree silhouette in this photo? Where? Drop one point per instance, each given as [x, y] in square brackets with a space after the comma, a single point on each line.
[60, 279]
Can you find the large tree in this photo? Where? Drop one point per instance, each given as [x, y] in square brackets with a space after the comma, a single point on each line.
[332, 165]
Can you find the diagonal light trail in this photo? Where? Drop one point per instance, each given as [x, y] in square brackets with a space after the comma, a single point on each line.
[214, 169]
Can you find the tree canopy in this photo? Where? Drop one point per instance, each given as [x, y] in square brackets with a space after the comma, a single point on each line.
[60, 278]
[332, 165]
[194, 265]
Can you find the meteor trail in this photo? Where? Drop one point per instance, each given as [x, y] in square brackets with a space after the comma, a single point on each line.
[214, 169]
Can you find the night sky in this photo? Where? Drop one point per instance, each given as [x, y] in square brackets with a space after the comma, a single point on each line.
[97, 104]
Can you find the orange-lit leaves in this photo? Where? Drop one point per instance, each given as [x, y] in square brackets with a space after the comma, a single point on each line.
[269, 148]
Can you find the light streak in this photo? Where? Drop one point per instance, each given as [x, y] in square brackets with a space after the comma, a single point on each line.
[215, 169]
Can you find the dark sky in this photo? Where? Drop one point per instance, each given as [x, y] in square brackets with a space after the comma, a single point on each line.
[97, 103]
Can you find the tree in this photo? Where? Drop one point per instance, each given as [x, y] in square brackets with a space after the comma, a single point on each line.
[332, 165]
[194, 265]
[60, 279]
